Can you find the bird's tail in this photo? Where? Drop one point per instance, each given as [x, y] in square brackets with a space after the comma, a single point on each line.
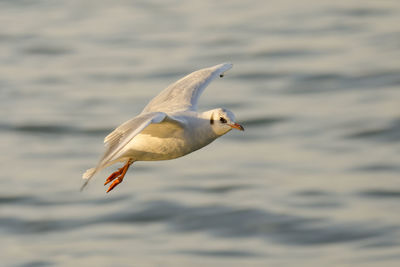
[89, 173]
[87, 176]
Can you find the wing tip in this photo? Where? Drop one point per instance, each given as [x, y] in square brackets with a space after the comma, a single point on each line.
[226, 66]
[222, 68]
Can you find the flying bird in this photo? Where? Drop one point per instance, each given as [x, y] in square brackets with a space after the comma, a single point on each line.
[169, 127]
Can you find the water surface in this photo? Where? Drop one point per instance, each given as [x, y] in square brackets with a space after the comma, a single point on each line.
[313, 181]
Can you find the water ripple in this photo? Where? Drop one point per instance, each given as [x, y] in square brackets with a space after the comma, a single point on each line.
[47, 50]
[257, 75]
[53, 129]
[221, 253]
[389, 133]
[222, 189]
[286, 53]
[380, 193]
[217, 220]
[34, 201]
[379, 167]
[225, 221]
[331, 82]
[359, 12]
[262, 121]
[39, 263]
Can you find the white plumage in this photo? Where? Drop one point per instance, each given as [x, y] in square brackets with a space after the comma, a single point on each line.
[168, 127]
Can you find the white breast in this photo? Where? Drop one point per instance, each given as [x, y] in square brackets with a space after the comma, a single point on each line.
[165, 141]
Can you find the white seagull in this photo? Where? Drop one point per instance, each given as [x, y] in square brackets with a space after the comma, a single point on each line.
[168, 127]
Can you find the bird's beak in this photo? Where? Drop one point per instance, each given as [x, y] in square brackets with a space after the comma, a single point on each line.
[237, 126]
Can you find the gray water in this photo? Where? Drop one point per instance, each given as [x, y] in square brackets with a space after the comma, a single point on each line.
[313, 181]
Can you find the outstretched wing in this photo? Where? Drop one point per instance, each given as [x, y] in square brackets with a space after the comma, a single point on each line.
[184, 94]
[121, 136]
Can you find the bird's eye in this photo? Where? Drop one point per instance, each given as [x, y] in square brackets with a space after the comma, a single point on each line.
[221, 119]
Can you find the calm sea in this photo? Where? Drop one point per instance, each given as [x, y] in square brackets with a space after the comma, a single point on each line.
[313, 181]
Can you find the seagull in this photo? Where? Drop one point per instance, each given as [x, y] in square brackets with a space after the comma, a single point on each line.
[169, 127]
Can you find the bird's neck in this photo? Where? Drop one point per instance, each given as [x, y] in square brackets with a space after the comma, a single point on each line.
[204, 128]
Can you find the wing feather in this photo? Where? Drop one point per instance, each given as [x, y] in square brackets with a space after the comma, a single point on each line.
[120, 137]
[124, 133]
[184, 94]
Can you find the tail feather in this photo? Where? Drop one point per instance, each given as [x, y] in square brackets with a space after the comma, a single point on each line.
[89, 173]
[87, 176]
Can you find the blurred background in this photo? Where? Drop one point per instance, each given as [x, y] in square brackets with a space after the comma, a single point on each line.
[313, 181]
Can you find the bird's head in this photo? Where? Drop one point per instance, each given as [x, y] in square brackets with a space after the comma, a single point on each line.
[223, 120]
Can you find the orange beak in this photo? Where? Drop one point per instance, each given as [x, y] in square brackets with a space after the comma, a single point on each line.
[237, 126]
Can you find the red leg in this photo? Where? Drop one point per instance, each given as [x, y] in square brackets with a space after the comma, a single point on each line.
[114, 175]
[118, 176]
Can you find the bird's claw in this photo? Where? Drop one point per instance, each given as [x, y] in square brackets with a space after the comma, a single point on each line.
[114, 175]
[114, 184]
[118, 176]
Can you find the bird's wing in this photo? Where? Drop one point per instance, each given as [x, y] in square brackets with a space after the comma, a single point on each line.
[123, 134]
[184, 94]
